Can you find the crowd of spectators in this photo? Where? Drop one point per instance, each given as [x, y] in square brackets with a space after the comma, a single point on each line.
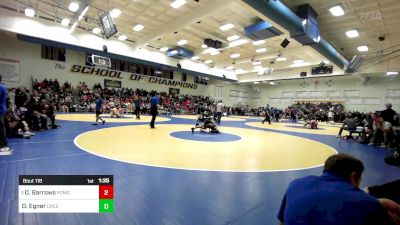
[322, 111]
[36, 110]
[378, 128]
[125, 98]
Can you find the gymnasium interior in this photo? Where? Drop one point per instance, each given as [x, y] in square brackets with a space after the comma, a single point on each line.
[291, 61]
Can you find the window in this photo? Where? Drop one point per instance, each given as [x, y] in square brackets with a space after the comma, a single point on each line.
[184, 77]
[53, 53]
[88, 59]
[167, 74]
[138, 69]
[152, 71]
[201, 80]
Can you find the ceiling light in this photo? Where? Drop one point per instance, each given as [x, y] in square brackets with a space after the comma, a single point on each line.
[209, 50]
[164, 49]
[96, 30]
[122, 37]
[352, 33]
[227, 26]
[182, 42]
[73, 7]
[237, 42]
[195, 58]
[280, 59]
[298, 61]
[234, 56]
[240, 71]
[261, 50]
[391, 73]
[65, 22]
[256, 82]
[177, 3]
[208, 61]
[256, 63]
[302, 64]
[260, 42]
[204, 46]
[271, 83]
[115, 13]
[229, 67]
[258, 68]
[216, 52]
[29, 12]
[138, 27]
[363, 48]
[336, 10]
[233, 37]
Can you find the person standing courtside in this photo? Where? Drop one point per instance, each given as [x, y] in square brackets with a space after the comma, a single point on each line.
[137, 106]
[99, 104]
[220, 107]
[4, 149]
[154, 105]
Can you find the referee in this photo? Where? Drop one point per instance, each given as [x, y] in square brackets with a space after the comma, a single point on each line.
[99, 104]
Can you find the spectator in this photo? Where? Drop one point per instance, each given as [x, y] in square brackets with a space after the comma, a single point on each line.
[220, 107]
[388, 114]
[333, 198]
[389, 191]
[349, 124]
[16, 127]
[4, 149]
[377, 135]
[367, 131]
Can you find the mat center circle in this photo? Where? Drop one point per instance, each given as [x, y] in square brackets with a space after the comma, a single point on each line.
[170, 146]
[203, 136]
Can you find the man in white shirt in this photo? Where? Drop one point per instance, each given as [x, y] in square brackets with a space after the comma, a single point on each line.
[220, 107]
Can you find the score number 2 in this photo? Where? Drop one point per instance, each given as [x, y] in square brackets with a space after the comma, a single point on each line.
[106, 192]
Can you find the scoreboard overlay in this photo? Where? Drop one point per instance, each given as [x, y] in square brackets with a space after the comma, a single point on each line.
[66, 194]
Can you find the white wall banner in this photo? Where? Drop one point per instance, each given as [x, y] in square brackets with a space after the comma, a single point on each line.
[9, 69]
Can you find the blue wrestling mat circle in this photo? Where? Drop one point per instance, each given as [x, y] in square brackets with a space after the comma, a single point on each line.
[202, 136]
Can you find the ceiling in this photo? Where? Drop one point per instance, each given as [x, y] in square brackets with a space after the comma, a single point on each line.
[197, 20]
[372, 19]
